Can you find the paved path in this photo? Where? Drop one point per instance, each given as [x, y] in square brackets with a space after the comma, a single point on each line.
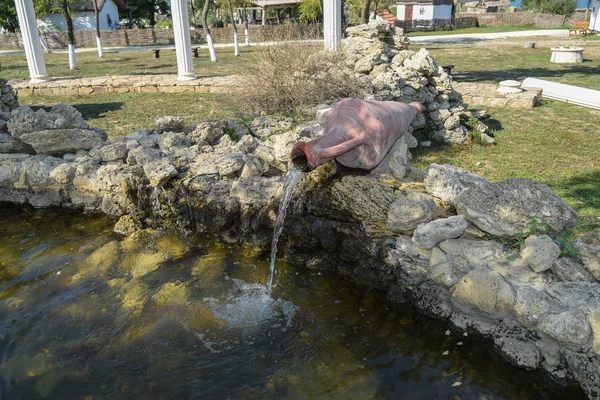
[456, 38]
[476, 37]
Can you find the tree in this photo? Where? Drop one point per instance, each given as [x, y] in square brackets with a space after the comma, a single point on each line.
[236, 45]
[211, 45]
[566, 8]
[98, 37]
[65, 7]
[8, 16]
[310, 10]
[365, 11]
[149, 8]
[587, 10]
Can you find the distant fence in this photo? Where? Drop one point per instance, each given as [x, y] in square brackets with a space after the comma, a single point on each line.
[143, 37]
[470, 20]
[438, 24]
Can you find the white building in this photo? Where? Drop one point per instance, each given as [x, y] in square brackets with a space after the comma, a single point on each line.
[595, 17]
[85, 17]
[412, 10]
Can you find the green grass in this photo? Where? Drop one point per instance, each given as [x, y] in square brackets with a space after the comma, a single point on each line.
[500, 60]
[556, 143]
[122, 114]
[483, 29]
[129, 63]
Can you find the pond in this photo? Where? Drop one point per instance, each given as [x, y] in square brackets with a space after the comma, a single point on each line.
[85, 313]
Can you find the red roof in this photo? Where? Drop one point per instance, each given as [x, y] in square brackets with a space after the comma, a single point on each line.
[388, 16]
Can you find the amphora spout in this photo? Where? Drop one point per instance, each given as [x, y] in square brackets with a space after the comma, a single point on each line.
[358, 133]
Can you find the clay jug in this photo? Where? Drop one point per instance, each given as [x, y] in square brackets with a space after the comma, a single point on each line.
[358, 133]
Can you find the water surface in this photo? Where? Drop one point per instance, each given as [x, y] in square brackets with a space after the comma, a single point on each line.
[85, 313]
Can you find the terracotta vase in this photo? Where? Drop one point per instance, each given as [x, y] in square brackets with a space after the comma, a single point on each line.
[358, 133]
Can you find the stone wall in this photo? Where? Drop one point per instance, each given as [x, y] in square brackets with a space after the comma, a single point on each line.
[145, 37]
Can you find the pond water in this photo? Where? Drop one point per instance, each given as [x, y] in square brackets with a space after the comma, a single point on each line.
[87, 314]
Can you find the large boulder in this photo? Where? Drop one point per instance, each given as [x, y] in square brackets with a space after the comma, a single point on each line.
[540, 252]
[506, 208]
[429, 234]
[24, 120]
[9, 144]
[482, 290]
[409, 210]
[447, 182]
[61, 141]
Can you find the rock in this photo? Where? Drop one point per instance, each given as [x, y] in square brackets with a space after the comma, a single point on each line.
[63, 173]
[247, 144]
[458, 135]
[9, 144]
[422, 62]
[482, 290]
[447, 182]
[533, 304]
[322, 115]
[588, 247]
[476, 252]
[364, 65]
[169, 124]
[487, 139]
[506, 208]
[427, 235]
[159, 172]
[254, 166]
[586, 371]
[61, 141]
[569, 269]
[452, 122]
[540, 252]
[264, 127]
[24, 120]
[515, 345]
[142, 156]
[111, 152]
[594, 320]
[409, 210]
[570, 327]
[169, 140]
[126, 225]
[230, 164]
[207, 132]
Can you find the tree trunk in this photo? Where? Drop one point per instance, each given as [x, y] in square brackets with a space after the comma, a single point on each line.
[70, 35]
[98, 37]
[236, 44]
[209, 40]
[151, 16]
[587, 10]
[193, 13]
[246, 33]
[366, 11]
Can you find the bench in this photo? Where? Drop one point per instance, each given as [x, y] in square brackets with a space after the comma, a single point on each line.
[448, 69]
[580, 28]
[156, 52]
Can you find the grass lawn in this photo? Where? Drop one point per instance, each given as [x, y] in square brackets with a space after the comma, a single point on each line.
[129, 63]
[122, 114]
[482, 29]
[500, 60]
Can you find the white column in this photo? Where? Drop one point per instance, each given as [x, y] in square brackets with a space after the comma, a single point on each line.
[183, 43]
[264, 16]
[31, 41]
[332, 24]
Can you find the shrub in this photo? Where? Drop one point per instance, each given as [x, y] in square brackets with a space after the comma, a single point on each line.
[293, 77]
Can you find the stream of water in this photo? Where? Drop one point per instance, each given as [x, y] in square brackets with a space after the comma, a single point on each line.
[86, 313]
[288, 190]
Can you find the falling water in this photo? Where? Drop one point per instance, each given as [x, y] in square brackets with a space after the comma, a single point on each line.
[288, 189]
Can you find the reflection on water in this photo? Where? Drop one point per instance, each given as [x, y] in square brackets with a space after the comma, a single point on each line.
[87, 314]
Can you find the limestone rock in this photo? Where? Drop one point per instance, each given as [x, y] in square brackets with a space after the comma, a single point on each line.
[211, 131]
[63, 173]
[126, 225]
[24, 120]
[254, 166]
[264, 127]
[423, 62]
[589, 251]
[409, 210]
[9, 144]
[169, 140]
[585, 370]
[142, 156]
[111, 152]
[230, 164]
[505, 208]
[169, 124]
[476, 252]
[159, 172]
[427, 235]
[569, 327]
[452, 122]
[61, 141]
[482, 290]
[447, 182]
[540, 252]
[569, 269]
[533, 304]
[247, 144]
[515, 345]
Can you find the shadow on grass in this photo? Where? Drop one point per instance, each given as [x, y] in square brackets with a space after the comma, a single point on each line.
[583, 190]
[521, 73]
[90, 111]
